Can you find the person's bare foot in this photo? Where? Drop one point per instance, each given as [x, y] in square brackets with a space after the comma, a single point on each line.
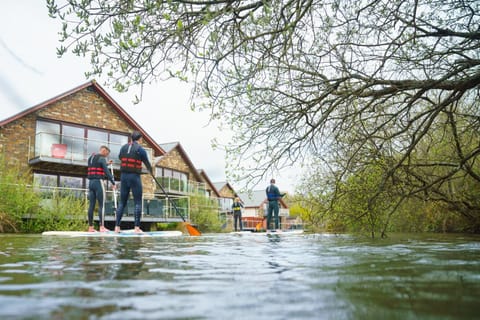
[138, 230]
[117, 229]
[91, 229]
[103, 229]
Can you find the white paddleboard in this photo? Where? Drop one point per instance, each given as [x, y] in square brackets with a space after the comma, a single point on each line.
[123, 233]
[279, 232]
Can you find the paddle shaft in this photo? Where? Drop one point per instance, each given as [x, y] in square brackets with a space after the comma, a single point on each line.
[191, 229]
[114, 191]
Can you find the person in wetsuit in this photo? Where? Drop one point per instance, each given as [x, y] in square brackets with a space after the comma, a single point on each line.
[237, 213]
[96, 174]
[131, 156]
[273, 195]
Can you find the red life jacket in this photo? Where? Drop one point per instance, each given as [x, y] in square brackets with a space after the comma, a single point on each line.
[130, 158]
[95, 169]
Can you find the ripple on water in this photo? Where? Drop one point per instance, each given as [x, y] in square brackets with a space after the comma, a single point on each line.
[237, 277]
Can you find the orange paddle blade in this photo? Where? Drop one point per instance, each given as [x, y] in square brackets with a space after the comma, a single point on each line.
[192, 230]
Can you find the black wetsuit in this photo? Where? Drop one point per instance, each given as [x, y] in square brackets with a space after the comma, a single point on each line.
[131, 156]
[237, 215]
[97, 173]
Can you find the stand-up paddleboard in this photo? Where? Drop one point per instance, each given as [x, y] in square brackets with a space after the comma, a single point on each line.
[123, 233]
[270, 232]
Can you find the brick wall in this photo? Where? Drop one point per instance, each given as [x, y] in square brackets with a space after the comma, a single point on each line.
[85, 107]
[226, 192]
[175, 161]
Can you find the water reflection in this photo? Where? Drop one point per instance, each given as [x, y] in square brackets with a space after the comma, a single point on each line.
[230, 276]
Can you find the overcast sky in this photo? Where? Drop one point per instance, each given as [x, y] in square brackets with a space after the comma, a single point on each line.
[31, 73]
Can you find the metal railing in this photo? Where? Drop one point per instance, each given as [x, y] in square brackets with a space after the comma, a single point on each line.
[73, 148]
[172, 184]
[153, 205]
[284, 224]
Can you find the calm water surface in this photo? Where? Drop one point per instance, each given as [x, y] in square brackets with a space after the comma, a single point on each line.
[231, 276]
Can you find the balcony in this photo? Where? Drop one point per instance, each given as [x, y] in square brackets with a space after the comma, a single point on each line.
[54, 151]
[177, 186]
[155, 207]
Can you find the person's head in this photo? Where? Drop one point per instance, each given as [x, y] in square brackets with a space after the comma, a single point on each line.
[272, 181]
[104, 151]
[136, 135]
[237, 199]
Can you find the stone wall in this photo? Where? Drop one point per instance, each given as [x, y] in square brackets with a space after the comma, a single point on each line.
[226, 192]
[175, 161]
[85, 107]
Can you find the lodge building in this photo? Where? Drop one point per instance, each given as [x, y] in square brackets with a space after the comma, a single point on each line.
[53, 140]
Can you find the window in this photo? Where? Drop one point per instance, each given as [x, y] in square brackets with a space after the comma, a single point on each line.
[172, 179]
[116, 141]
[73, 138]
[74, 184]
[225, 204]
[79, 141]
[95, 140]
[71, 182]
[48, 134]
[45, 180]
[51, 183]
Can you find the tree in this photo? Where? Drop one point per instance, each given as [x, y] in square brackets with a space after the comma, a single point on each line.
[301, 79]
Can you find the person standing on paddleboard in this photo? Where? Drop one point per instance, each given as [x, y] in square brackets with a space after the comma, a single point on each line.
[96, 174]
[237, 214]
[131, 157]
[273, 195]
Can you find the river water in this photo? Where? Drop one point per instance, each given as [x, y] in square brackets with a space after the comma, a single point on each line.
[232, 276]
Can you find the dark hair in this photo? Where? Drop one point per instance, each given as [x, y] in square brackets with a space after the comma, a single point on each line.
[105, 147]
[272, 181]
[136, 135]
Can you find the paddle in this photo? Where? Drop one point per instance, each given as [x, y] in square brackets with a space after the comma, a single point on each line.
[191, 229]
[114, 191]
[259, 225]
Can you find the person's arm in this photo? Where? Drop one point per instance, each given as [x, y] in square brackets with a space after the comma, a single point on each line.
[109, 175]
[278, 195]
[144, 157]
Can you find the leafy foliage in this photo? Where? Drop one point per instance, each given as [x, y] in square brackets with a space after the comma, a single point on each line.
[21, 209]
[337, 84]
[204, 213]
[17, 199]
[65, 212]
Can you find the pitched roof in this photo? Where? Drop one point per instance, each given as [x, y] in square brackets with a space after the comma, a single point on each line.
[158, 150]
[253, 198]
[169, 146]
[207, 180]
[221, 185]
[176, 145]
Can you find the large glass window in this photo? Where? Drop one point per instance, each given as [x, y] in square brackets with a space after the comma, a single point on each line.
[95, 140]
[79, 142]
[45, 180]
[48, 134]
[116, 142]
[172, 179]
[73, 184]
[226, 204]
[73, 137]
[50, 184]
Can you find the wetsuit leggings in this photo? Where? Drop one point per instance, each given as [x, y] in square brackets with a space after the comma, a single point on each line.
[273, 208]
[130, 181]
[96, 192]
[237, 219]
